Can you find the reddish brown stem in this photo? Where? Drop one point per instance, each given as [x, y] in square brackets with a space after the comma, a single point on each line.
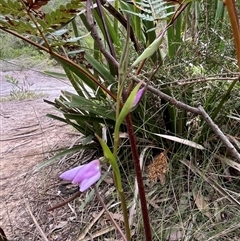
[139, 178]
[77, 194]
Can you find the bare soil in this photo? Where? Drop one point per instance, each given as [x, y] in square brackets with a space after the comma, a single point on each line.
[28, 138]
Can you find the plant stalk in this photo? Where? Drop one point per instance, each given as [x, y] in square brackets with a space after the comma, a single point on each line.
[139, 178]
[125, 215]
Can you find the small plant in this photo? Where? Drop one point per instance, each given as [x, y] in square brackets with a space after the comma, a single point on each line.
[20, 91]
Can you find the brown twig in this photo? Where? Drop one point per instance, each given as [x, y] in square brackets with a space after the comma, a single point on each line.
[232, 150]
[108, 213]
[202, 80]
[77, 194]
[43, 235]
[168, 98]
[37, 26]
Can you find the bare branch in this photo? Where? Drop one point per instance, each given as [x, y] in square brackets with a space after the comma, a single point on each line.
[232, 150]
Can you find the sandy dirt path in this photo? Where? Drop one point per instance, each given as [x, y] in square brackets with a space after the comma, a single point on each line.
[27, 138]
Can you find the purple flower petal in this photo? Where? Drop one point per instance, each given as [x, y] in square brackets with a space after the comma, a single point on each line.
[89, 170]
[71, 174]
[84, 175]
[86, 183]
[138, 97]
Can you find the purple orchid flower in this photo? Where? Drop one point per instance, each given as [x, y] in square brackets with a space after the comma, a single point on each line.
[84, 175]
[138, 97]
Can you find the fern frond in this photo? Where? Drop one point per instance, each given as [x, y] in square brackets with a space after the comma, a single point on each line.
[15, 16]
[153, 10]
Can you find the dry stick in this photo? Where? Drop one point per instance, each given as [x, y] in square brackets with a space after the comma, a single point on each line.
[87, 229]
[77, 194]
[202, 80]
[97, 234]
[36, 24]
[219, 133]
[231, 75]
[108, 213]
[168, 98]
[44, 237]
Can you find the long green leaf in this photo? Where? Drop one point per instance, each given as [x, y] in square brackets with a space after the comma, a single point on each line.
[150, 50]
[89, 118]
[88, 105]
[100, 68]
[83, 77]
[59, 155]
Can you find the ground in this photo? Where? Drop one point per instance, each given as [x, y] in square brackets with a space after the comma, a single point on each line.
[27, 138]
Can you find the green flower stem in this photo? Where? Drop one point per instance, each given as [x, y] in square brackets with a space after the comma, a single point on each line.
[138, 172]
[125, 215]
[117, 176]
[116, 130]
[117, 181]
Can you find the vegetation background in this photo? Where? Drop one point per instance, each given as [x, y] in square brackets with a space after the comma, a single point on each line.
[192, 183]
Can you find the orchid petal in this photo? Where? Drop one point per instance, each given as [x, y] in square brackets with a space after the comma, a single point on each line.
[71, 174]
[86, 183]
[87, 171]
[138, 97]
[84, 175]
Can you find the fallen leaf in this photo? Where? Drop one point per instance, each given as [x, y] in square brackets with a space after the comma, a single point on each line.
[202, 204]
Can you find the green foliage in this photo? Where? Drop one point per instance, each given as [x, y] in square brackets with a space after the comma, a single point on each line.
[11, 47]
[187, 60]
[14, 15]
[152, 10]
